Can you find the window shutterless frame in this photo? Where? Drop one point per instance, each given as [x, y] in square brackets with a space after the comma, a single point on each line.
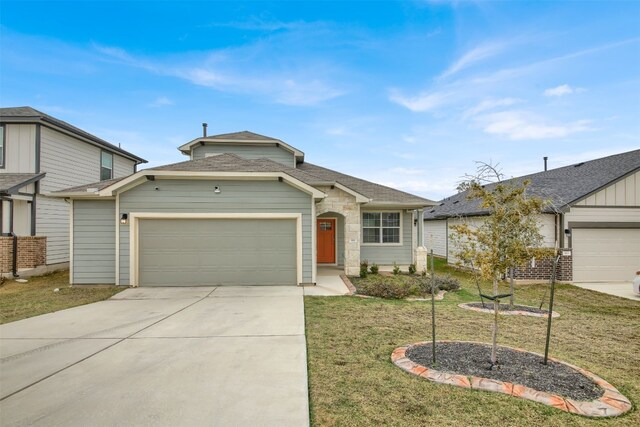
[106, 165]
[381, 228]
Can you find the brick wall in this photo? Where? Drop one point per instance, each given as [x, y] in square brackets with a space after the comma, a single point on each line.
[32, 252]
[543, 267]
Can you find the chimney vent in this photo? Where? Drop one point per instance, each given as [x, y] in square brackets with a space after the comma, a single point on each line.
[204, 130]
[545, 163]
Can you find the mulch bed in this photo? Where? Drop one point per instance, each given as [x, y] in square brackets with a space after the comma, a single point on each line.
[521, 374]
[523, 310]
[513, 366]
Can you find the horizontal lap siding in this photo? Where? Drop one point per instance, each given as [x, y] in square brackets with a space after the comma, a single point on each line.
[388, 254]
[94, 242]
[277, 154]
[191, 196]
[435, 236]
[68, 162]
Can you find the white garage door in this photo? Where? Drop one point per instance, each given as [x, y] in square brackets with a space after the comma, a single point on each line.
[605, 255]
[196, 252]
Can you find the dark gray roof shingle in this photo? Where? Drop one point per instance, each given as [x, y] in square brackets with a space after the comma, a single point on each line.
[28, 114]
[562, 186]
[12, 182]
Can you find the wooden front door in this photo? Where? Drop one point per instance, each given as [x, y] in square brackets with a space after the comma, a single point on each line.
[326, 228]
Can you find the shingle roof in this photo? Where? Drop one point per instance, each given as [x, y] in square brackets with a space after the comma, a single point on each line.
[94, 186]
[378, 193]
[243, 135]
[307, 173]
[28, 115]
[12, 182]
[562, 186]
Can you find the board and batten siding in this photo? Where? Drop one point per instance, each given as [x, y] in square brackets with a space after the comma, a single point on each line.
[625, 192]
[20, 150]
[251, 152]
[387, 254]
[68, 162]
[197, 196]
[94, 242]
[435, 236]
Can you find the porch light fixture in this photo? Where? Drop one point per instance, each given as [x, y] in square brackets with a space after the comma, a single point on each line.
[124, 218]
[216, 190]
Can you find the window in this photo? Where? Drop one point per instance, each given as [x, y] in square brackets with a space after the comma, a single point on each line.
[106, 166]
[381, 227]
[1, 146]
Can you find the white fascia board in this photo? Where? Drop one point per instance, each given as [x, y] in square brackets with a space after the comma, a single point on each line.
[186, 147]
[359, 197]
[391, 205]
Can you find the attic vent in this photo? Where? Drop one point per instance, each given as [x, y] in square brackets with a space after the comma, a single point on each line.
[441, 204]
[578, 165]
[457, 201]
[432, 211]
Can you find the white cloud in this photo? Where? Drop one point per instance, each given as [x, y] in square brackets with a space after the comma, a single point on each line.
[422, 102]
[490, 104]
[407, 171]
[473, 56]
[562, 90]
[521, 125]
[161, 101]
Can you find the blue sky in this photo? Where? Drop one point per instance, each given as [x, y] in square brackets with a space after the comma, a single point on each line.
[408, 94]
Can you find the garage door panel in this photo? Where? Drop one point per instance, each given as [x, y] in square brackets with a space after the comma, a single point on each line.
[191, 252]
[602, 255]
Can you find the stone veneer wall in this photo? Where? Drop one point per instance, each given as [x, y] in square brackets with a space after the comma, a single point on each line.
[543, 267]
[343, 203]
[32, 252]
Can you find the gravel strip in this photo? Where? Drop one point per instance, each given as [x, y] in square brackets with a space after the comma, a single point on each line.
[506, 307]
[515, 367]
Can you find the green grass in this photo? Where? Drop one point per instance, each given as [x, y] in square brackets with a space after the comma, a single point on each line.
[353, 382]
[22, 300]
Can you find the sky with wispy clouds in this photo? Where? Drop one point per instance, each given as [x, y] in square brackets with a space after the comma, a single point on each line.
[407, 94]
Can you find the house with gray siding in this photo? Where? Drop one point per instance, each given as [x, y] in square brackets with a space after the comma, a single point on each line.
[593, 218]
[40, 154]
[245, 209]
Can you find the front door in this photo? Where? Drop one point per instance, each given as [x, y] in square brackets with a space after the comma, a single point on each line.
[326, 240]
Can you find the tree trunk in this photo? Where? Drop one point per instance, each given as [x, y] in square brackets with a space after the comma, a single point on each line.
[512, 297]
[494, 336]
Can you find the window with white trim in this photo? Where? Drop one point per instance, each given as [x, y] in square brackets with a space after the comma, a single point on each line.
[381, 227]
[106, 166]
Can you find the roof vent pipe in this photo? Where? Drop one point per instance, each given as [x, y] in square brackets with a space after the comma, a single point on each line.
[204, 130]
[545, 163]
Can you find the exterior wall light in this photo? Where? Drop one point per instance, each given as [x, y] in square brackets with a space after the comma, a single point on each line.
[124, 218]
[217, 190]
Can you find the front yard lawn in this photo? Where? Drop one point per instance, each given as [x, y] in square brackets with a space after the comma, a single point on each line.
[353, 382]
[37, 296]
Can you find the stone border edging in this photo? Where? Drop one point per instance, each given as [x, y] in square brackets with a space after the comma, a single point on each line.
[466, 306]
[611, 404]
[348, 284]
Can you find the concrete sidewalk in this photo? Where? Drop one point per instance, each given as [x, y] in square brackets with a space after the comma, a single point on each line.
[160, 356]
[619, 289]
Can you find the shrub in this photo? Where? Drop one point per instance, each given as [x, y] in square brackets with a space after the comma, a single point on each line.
[388, 287]
[396, 268]
[443, 283]
[412, 268]
[364, 266]
[374, 268]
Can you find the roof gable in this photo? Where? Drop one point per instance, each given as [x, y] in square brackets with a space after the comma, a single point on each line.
[31, 115]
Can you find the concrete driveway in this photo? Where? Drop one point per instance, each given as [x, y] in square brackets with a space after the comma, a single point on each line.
[618, 289]
[227, 356]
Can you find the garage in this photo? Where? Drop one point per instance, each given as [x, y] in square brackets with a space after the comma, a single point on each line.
[219, 251]
[605, 254]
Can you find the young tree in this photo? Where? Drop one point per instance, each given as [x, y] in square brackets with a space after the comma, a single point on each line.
[509, 236]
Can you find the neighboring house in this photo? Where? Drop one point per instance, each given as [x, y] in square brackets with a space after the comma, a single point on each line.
[40, 154]
[246, 209]
[594, 218]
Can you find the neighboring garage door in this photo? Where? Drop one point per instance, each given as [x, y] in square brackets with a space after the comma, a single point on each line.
[603, 255]
[200, 252]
